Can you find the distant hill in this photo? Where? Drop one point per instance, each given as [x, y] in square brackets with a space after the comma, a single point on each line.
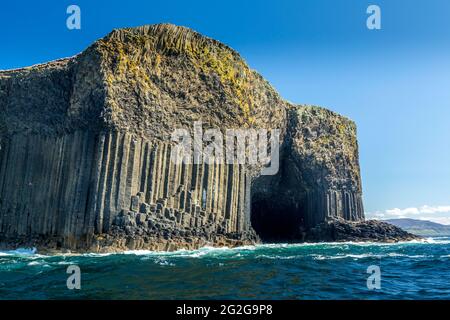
[421, 227]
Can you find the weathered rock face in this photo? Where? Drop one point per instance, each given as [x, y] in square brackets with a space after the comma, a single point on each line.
[318, 180]
[85, 150]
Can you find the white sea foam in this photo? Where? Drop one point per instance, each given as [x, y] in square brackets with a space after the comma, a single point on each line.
[367, 255]
[164, 262]
[94, 254]
[240, 251]
[236, 251]
[276, 257]
[345, 256]
[395, 254]
[441, 240]
[187, 253]
[19, 251]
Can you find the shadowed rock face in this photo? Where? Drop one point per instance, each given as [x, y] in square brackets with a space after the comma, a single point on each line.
[318, 180]
[85, 150]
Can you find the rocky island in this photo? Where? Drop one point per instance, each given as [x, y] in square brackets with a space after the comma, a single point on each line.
[85, 148]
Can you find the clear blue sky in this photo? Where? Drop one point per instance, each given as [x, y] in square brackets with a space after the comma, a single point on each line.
[394, 82]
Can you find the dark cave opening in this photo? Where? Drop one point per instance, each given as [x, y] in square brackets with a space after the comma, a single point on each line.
[278, 203]
[275, 220]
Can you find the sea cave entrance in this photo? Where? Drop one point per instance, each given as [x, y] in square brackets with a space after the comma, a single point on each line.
[277, 220]
[278, 203]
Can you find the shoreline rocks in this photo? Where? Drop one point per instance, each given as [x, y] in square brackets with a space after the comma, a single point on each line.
[165, 239]
[337, 230]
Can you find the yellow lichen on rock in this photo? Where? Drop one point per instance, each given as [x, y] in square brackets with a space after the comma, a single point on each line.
[136, 54]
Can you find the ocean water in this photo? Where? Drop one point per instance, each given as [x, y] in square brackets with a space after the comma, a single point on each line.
[409, 270]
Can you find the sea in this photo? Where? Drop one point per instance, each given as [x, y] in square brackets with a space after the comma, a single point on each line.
[405, 270]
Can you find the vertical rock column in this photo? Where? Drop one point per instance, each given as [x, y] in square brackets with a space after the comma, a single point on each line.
[201, 193]
[75, 185]
[44, 184]
[321, 205]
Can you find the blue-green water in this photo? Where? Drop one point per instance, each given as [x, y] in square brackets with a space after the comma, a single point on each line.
[413, 270]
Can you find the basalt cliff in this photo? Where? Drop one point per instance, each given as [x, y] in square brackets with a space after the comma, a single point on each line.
[85, 158]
